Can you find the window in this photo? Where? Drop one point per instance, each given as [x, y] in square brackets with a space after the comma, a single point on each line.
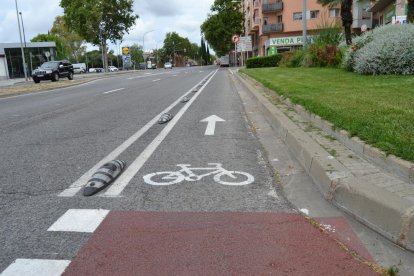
[314, 14]
[279, 19]
[297, 16]
[333, 12]
[265, 19]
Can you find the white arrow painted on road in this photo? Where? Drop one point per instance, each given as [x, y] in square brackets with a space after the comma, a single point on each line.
[211, 124]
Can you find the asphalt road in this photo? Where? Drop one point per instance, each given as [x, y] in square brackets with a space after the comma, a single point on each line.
[51, 142]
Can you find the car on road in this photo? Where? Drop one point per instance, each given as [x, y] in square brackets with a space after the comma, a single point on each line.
[112, 69]
[168, 65]
[79, 68]
[53, 70]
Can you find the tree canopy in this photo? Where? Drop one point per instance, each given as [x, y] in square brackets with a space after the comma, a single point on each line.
[225, 20]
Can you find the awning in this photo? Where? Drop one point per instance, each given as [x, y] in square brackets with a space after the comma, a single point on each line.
[381, 5]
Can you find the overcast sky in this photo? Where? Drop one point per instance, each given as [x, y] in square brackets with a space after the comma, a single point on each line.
[161, 16]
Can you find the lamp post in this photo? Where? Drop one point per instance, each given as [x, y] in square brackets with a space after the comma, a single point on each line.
[305, 39]
[143, 46]
[21, 43]
[24, 35]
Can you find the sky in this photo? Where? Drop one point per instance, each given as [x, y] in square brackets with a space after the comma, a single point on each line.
[156, 18]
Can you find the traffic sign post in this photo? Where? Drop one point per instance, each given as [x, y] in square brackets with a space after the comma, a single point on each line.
[235, 38]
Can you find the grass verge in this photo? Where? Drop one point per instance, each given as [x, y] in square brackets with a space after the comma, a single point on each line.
[377, 109]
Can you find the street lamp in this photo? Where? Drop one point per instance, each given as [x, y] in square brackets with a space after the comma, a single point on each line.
[21, 43]
[24, 35]
[305, 39]
[143, 39]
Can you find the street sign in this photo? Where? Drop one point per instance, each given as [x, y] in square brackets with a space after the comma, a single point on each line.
[235, 38]
[245, 44]
[125, 50]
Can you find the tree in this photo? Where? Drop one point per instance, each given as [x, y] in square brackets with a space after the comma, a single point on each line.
[225, 20]
[136, 53]
[99, 20]
[49, 37]
[71, 47]
[346, 15]
[410, 14]
[176, 46]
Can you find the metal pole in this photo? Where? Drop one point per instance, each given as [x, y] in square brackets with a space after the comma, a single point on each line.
[24, 35]
[235, 55]
[304, 24]
[21, 43]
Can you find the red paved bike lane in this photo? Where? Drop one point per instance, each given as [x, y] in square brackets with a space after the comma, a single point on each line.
[222, 243]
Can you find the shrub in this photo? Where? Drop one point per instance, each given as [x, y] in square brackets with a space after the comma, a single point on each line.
[323, 55]
[292, 59]
[330, 34]
[268, 61]
[386, 50]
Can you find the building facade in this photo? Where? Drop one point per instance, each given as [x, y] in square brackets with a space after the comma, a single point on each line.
[35, 53]
[276, 25]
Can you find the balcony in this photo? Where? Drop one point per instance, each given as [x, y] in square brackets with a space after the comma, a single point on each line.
[256, 4]
[273, 28]
[275, 7]
[255, 25]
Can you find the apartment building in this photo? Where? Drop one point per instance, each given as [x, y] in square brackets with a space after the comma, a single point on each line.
[277, 26]
[389, 12]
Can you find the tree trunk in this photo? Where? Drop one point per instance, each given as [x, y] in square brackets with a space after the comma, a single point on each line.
[410, 15]
[347, 19]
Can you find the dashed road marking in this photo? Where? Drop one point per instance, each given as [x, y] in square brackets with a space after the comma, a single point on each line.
[79, 220]
[112, 91]
[35, 267]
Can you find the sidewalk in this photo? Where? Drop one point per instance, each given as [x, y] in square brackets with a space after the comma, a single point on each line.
[375, 189]
[11, 82]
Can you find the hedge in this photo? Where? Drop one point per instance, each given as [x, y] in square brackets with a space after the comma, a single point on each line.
[258, 62]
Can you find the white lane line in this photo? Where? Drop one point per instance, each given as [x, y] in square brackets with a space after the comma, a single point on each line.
[112, 91]
[122, 181]
[156, 80]
[76, 186]
[35, 267]
[145, 76]
[79, 220]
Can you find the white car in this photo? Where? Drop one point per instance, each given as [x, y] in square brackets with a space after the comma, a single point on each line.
[167, 65]
[112, 69]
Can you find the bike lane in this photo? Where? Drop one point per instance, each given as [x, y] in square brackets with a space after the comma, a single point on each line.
[200, 226]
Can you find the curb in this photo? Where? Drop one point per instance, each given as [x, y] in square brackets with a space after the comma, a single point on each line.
[385, 212]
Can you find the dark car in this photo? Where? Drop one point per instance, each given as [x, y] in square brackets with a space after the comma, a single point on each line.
[53, 70]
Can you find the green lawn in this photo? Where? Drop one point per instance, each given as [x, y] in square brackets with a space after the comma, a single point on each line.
[377, 109]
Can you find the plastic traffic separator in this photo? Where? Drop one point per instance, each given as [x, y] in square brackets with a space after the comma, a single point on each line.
[76, 186]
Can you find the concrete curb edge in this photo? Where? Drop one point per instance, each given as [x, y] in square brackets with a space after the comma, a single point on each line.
[380, 210]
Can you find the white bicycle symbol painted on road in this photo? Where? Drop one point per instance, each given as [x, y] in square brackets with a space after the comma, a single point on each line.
[221, 176]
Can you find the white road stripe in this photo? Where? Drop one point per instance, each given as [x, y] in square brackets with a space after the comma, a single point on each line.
[112, 91]
[122, 181]
[35, 267]
[81, 182]
[79, 220]
[156, 80]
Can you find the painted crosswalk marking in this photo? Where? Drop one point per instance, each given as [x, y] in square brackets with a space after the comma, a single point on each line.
[79, 220]
[36, 267]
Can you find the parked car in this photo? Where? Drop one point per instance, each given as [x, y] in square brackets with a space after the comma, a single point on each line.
[79, 68]
[112, 69]
[168, 65]
[142, 66]
[53, 70]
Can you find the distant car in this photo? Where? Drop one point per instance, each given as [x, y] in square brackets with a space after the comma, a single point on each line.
[99, 70]
[112, 69]
[142, 66]
[78, 70]
[168, 65]
[53, 70]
